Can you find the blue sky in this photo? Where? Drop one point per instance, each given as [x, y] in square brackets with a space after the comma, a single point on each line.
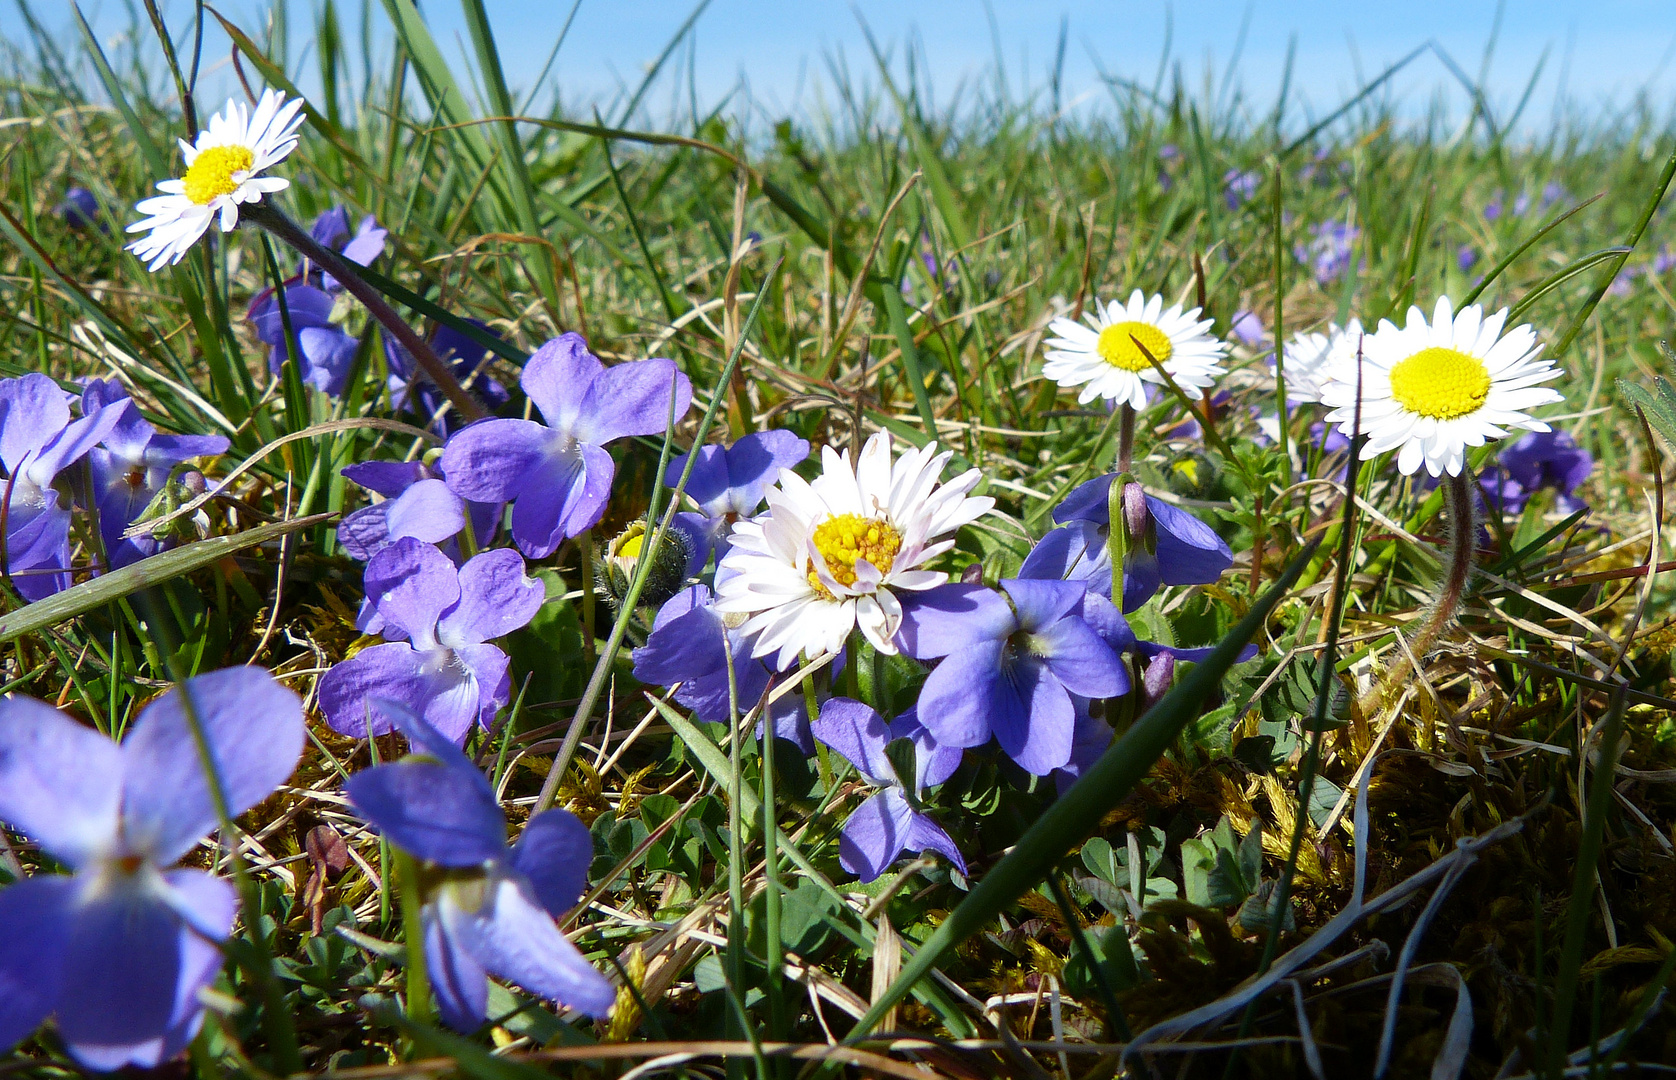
[1604, 51]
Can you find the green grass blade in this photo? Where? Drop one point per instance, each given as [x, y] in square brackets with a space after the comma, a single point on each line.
[511, 162]
[1563, 275]
[80, 599]
[1612, 268]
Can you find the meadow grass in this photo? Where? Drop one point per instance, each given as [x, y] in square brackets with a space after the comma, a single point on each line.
[1463, 888]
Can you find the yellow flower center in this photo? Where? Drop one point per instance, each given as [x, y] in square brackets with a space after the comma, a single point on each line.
[211, 173]
[844, 539]
[630, 548]
[1440, 383]
[1117, 345]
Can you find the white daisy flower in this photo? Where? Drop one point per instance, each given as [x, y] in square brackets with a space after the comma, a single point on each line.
[1430, 390]
[831, 555]
[1104, 354]
[1310, 356]
[223, 170]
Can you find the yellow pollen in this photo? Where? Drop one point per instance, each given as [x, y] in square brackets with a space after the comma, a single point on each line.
[1117, 345]
[211, 172]
[844, 539]
[630, 548]
[1440, 383]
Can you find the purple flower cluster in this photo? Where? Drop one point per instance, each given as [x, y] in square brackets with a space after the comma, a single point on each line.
[1533, 462]
[1328, 252]
[325, 351]
[1239, 185]
[41, 449]
[469, 360]
[131, 466]
[440, 611]
[1552, 194]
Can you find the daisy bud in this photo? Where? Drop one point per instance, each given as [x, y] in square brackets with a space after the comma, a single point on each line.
[666, 576]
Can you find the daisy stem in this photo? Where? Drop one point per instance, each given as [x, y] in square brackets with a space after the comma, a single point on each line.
[345, 272]
[1125, 436]
[1463, 526]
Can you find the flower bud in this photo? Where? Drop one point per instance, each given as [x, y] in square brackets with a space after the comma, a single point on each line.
[1155, 682]
[622, 559]
[1136, 519]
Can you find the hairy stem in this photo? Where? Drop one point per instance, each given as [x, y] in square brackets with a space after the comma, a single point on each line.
[288, 232]
[1463, 525]
[1125, 436]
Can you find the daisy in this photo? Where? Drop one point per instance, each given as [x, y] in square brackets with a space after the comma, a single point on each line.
[1310, 356]
[832, 555]
[1105, 355]
[1430, 390]
[222, 170]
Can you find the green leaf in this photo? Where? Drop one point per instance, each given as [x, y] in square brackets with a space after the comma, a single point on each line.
[805, 915]
[147, 572]
[1097, 855]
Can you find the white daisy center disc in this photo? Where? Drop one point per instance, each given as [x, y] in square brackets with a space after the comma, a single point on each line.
[211, 173]
[847, 538]
[1440, 383]
[1117, 345]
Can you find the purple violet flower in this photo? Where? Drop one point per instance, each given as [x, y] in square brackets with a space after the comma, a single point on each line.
[1011, 662]
[80, 210]
[1239, 186]
[888, 823]
[1465, 257]
[331, 229]
[1540, 459]
[445, 671]
[1090, 737]
[1167, 545]
[119, 950]
[686, 647]
[1191, 428]
[730, 484]
[416, 503]
[1493, 208]
[1327, 254]
[557, 475]
[1248, 327]
[1664, 261]
[1552, 193]
[492, 912]
[470, 360]
[38, 440]
[130, 468]
[325, 351]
